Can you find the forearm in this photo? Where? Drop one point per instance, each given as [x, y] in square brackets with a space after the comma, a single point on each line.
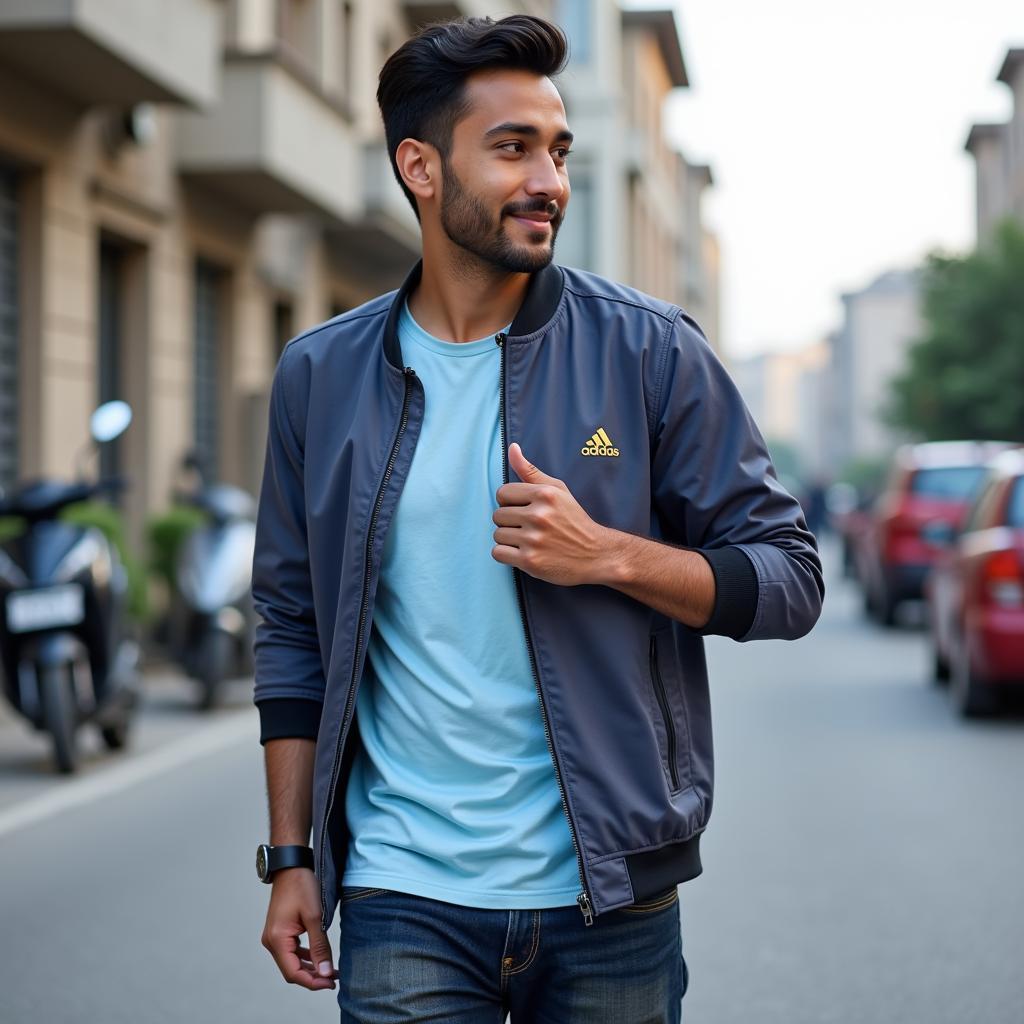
[289, 765]
[676, 582]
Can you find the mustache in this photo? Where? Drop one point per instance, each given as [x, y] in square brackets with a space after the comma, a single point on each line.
[537, 206]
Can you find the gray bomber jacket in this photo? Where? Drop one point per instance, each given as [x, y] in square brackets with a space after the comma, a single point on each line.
[622, 689]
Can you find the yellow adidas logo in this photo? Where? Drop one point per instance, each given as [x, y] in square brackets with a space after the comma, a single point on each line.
[599, 444]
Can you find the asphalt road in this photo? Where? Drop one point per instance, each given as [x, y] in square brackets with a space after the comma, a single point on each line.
[863, 862]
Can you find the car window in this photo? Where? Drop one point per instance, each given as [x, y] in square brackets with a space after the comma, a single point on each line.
[952, 483]
[1015, 508]
[979, 516]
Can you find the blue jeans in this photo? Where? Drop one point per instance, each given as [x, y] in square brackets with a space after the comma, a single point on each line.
[412, 959]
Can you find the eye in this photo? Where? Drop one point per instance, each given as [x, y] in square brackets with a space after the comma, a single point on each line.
[505, 145]
[562, 152]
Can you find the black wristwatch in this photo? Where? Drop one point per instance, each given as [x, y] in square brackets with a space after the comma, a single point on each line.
[273, 858]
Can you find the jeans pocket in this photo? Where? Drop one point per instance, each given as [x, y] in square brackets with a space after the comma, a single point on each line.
[350, 893]
[658, 902]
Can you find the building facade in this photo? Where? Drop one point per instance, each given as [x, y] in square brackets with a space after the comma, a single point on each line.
[180, 195]
[788, 396]
[880, 323]
[998, 151]
[636, 202]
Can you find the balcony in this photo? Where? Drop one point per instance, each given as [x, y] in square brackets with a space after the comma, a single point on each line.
[274, 143]
[117, 51]
[384, 243]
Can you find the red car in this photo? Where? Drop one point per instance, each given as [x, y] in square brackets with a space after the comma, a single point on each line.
[976, 594]
[929, 489]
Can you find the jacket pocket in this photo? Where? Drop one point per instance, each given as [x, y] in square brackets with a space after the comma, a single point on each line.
[670, 752]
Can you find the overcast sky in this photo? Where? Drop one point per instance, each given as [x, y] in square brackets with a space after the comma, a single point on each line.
[835, 134]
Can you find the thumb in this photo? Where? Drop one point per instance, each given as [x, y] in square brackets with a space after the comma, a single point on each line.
[319, 949]
[526, 470]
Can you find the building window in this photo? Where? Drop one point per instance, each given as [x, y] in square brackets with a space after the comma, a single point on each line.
[110, 362]
[346, 49]
[8, 327]
[283, 327]
[299, 31]
[574, 18]
[576, 245]
[208, 325]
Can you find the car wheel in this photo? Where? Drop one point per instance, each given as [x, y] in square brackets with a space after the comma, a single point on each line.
[971, 695]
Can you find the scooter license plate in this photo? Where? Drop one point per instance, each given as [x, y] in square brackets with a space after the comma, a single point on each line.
[45, 608]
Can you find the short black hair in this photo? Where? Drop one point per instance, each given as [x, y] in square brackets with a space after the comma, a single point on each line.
[421, 89]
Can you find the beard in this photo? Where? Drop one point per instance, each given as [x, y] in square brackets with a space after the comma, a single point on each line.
[467, 222]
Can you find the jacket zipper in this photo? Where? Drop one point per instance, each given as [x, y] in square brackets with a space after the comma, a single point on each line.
[670, 729]
[583, 899]
[409, 373]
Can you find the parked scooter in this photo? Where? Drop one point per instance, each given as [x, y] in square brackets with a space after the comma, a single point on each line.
[211, 622]
[64, 643]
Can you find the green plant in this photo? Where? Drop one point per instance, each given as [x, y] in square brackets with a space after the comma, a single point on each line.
[963, 376]
[165, 533]
[11, 527]
[109, 521]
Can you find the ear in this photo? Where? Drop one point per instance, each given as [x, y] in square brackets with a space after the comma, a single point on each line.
[419, 163]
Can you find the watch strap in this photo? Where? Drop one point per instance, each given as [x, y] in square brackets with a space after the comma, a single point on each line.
[279, 857]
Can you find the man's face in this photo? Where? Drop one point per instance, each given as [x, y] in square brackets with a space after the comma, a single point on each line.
[505, 184]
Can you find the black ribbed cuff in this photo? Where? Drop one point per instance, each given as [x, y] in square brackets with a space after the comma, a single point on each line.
[735, 592]
[289, 717]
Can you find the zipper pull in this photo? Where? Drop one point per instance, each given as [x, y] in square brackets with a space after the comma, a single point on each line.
[499, 339]
[409, 371]
[585, 908]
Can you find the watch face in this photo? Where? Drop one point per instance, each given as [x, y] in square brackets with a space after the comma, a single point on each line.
[261, 862]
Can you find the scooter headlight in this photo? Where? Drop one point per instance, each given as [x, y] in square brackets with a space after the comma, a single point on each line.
[91, 552]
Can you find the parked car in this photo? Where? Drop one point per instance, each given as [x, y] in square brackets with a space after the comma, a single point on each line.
[928, 490]
[976, 594]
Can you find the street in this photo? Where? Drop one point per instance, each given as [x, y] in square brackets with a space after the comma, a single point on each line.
[863, 862]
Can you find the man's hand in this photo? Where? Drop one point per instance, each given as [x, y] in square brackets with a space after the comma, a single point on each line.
[543, 529]
[295, 909]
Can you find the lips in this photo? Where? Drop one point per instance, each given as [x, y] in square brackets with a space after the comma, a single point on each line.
[534, 220]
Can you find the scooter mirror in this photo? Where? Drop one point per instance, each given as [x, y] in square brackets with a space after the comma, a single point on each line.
[110, 420]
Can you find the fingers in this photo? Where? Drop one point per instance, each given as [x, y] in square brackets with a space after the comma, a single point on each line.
[516, 493]
[295, 970]
[508, 536]
[320, 949]
[510, 515]
[307, 962]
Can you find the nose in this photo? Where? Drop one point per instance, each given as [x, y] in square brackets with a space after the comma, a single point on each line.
[545, 179]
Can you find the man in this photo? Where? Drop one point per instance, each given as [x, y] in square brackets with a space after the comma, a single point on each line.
[501, 507]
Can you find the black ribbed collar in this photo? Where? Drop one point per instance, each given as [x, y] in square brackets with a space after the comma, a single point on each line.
[543, 294]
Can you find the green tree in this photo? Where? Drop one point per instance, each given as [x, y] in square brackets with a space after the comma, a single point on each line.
[965, 375]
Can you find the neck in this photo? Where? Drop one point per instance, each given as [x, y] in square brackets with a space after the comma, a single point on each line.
[460, 299]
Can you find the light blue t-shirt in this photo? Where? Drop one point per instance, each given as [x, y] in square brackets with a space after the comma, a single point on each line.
[453, 795]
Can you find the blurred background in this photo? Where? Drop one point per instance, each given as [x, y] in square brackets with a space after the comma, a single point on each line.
[834, 192]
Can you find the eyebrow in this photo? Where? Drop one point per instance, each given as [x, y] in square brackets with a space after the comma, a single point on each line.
[511, 128]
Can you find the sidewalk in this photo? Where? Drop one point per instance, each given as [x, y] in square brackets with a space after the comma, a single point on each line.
[168, 709]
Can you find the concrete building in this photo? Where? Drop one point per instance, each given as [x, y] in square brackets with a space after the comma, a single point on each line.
[787, 394]
[998, 151]
[635, 213]
[179, 195]
[867, 351]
